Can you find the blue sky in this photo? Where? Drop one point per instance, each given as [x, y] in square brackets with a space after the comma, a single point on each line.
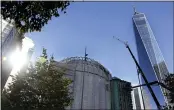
[93, 24]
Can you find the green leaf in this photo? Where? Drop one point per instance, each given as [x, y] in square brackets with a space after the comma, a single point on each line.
[34, 14]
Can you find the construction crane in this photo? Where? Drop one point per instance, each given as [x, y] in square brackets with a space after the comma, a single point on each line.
[142, 74]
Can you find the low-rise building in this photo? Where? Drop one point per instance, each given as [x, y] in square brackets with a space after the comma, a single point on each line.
[91, 83]
[120, 94]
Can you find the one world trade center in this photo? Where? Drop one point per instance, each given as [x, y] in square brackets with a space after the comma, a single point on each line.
[150, 60]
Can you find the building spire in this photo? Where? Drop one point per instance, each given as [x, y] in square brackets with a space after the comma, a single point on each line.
[135, 11]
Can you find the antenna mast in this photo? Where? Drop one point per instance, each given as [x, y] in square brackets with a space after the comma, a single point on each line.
[135, 11]
[85, 54]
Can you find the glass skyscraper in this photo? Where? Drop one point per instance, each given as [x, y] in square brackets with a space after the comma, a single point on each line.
[11, 38]
[150, 59]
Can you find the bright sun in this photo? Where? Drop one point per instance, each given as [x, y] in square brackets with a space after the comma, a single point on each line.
[18, 59]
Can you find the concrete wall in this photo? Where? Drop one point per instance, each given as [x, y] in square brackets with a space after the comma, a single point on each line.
[89, 86]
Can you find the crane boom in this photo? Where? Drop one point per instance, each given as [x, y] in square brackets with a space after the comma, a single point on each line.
[142, 74]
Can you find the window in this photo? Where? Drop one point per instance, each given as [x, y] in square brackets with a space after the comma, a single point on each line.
[8, 39]
[140, 21]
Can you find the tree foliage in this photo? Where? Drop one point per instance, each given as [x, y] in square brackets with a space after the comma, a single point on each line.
[169, 82]
[43, 87]
[32, 15]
